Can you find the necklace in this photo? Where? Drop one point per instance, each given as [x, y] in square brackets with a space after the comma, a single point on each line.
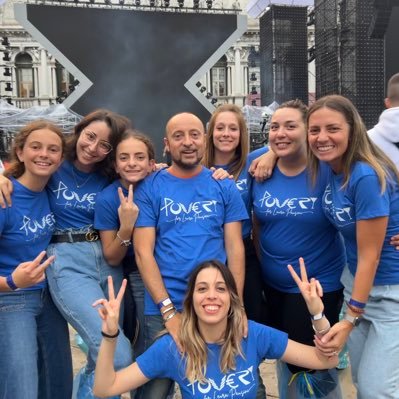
[76, 181]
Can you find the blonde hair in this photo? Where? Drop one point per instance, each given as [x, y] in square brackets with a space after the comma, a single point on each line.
[360, 147]
[194, 347]
[241, 153]
[16, 168]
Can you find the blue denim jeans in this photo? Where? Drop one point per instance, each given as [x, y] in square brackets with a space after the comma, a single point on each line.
[159, 388]
[35, 356]
[78, 277]
[374, 344]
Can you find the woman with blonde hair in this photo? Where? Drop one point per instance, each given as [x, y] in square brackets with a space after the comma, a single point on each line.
[216, 361]
[362, 201]
[227, 147]
[35, 357]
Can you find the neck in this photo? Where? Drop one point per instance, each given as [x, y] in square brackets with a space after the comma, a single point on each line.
[33, 183]
[83, 168]
[223, 158]
[292, 165]
[213, 334]
[178, 171]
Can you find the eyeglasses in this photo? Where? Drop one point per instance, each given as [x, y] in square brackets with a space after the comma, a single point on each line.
[91, 138]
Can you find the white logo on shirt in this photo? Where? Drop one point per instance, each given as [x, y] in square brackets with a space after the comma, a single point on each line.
[72, 198]
[288, 206]
[241, 184]
[36, 228]
[240, 383]
[192, 212]
[341, 215]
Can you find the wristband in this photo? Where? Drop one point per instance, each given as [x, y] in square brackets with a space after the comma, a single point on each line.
[105, 335]
[356, 304]
[323, 331]
[317, 316]
[168, 309]
[164, 302]
[355, 309]
[10, 283]
[169, 316]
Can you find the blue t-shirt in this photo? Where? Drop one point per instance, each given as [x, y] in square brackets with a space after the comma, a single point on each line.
[106, 213]
[25, 229]
[292, 224]
[244, 186]
[72, 195]
[361, 199]
[163, 359]
[189, 217]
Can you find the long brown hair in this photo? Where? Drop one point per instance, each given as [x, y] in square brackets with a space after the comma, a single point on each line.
[240, 157]
[117, 124]
[194, 346]
[16, 168]
[360, 147]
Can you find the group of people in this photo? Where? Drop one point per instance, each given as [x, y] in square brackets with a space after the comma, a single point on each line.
[85, 220]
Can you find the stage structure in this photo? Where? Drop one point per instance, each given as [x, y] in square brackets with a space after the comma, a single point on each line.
[283, 49]
[143, 62]
[348, 61]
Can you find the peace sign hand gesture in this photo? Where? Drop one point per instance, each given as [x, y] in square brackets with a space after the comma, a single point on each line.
[311, 291]
[109, 309]
[128, 210]
[30, 273]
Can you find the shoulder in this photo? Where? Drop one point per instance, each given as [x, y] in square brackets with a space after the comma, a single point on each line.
[257, 153]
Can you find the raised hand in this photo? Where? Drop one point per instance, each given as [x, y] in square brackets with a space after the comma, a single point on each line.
[109, 309]
[30, 273]
[128, 210]
[311, 291]
[5, 191]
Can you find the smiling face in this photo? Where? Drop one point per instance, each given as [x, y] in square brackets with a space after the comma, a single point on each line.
[328, 136]
[211, 299]
[92, 146]
[287, 136]
[132, 161]
[185, 141]
[41, 153]
[226, 134]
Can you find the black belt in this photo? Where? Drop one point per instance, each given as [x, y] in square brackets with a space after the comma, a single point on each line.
[75, 237]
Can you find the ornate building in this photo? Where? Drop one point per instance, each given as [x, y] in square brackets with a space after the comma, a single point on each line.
[30, 75]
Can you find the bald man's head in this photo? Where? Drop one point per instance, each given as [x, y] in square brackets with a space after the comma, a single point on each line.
[185, 140]
[392, 99]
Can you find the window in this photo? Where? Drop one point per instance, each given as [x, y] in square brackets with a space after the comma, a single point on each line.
[24, 72]
[218, 78]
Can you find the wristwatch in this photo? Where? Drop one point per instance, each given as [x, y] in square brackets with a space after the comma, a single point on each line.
[354, 320]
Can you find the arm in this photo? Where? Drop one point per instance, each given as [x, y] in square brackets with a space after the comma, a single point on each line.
[235, 253]
[370, 236]
[144, 243]
[307, 356]
[5, 191]
[128, 211]
[107, 382]
[236, 262]
[27, 274]
[262, 167]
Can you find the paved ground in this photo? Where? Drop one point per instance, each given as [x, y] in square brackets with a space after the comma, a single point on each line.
[267, 372]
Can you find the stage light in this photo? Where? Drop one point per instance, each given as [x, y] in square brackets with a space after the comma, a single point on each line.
[208, 95]
[8, 86]
[166, 3]
[137, 3]
[253, 90]
[214, 101]
[202, 89]
[253, 77]
[7, 72]
[181, 3]
[253, 103]
[152, 3]
[196, 4]
[209, 4]
[121, 2]
[198, 84]
[9, 101]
